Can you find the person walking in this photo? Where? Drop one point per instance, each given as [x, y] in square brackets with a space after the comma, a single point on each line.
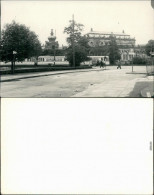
[119, 64]
[97, 63]
[101, 64]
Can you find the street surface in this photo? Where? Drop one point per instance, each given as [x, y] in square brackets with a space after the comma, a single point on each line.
[96, 82]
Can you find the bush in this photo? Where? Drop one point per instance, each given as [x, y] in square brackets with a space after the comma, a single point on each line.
[42, 69]
[139, 60]
[80, 55]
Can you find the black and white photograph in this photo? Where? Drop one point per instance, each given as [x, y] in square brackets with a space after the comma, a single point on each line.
[77, 88]
[77, 49]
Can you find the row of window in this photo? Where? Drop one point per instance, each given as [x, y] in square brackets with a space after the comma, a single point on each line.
[107, 43]
[127, 57]
[107, 36]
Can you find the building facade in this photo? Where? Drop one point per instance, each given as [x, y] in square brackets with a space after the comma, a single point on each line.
[127, 54]
[97, 38]
[125, 42]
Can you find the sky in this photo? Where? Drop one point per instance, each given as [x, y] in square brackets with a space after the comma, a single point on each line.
[136, 18]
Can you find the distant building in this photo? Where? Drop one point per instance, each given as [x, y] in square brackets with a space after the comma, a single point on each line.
[51, 43]
[125, 42]
[52, 48]
[97, 38]
[96, 41]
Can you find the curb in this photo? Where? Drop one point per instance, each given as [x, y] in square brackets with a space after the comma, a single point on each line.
[49, 74]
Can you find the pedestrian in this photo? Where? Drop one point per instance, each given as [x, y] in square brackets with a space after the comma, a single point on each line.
[101, 64]
[97, 63]
[119, 64]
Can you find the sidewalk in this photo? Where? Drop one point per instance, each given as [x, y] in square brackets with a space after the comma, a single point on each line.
[9, 77]
[148, 91]
[111, 83]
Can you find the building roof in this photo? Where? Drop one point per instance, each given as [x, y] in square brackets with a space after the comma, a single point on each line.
[50, 56]
[45, 56]
[108, 33]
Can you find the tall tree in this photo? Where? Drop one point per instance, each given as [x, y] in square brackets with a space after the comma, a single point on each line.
[74, 31]
[114, 53]
[18, 43]
[149, 47]
[78, 44]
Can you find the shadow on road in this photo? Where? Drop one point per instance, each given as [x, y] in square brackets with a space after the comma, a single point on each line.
[139, 86]
[135, 73]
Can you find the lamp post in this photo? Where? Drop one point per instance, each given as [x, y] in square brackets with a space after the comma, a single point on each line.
[54, 50]
[132, 64]
[132, 60]
[152, 59]
[13, 62]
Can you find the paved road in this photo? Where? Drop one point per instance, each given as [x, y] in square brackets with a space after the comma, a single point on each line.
[95, 83]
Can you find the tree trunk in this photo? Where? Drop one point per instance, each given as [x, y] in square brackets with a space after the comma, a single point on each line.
[12, 66]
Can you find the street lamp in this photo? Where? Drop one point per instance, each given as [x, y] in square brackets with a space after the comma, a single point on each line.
[132, 66]
[13, 62]
[54, 50]
[132, 60]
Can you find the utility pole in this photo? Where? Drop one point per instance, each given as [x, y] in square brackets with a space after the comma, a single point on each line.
[73, 43]
[55, 49]
[54, 46]
[13, 62]
[54, 53]
[152, 58]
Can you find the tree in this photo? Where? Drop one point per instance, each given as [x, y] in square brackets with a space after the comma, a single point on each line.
[80, 55]
[83, 41]
[74, 31]
[78, 44]
[100, 51]
[59, 52]
[81, 52]
[139, 60]
[149, 47]
[114, 53]
[18, 43]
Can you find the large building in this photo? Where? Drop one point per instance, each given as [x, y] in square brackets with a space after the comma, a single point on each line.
[97, 38]
[125, 42]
